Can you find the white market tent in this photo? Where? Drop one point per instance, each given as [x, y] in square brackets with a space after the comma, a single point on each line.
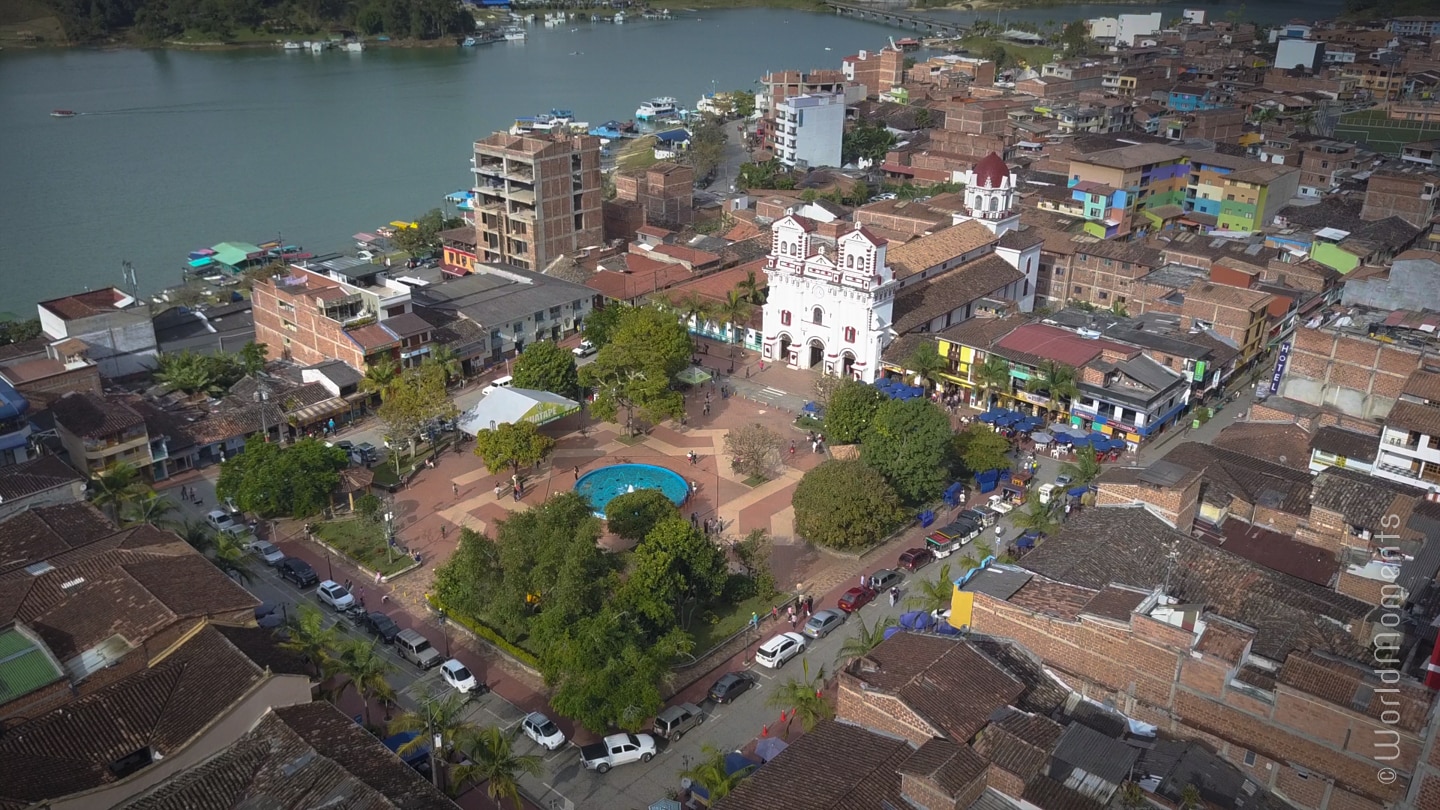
[505, 406]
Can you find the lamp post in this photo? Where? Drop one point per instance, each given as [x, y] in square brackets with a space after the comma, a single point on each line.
[390, 535]
[261, 397]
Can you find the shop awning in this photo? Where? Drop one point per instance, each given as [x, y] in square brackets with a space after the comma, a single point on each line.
[324, 409]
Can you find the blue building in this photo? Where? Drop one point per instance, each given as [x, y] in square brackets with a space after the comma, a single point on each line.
[14, 426]
[1191, 98]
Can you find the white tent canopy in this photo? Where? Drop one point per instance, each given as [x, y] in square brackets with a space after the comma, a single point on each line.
[505, 406]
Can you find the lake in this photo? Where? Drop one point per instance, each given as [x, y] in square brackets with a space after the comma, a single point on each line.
[178, 150]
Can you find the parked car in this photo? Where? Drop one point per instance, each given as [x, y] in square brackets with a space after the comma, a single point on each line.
[335, 595]
[822, 622]
[916, 558]
[222, 521]
[617, 749]
[500, 382]
[267, 551]
[775, 652]
[379, 625]
[543, 731]
[1063, 480]
[884, 580]
[672, 723]
[981, 517]
[460, 678]
[297, 571]
[366, 453]
[730, 686]
[416, 649]
[585, 349]
[855, 598]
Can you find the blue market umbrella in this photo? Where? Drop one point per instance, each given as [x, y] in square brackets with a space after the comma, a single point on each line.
[988, 417]
[1041, 437]
[1064, 438]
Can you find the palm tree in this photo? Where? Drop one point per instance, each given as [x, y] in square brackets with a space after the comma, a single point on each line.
[149, 507]
[750, 289]
[492, 760]
[691, 305]
[860, 644]
[1035, 517]
[932, 594]
[379, 377]
[186, 371]
[1084, 469]
[442, 714]
[802, 697]
[445, 358]
[710, 773]
[993, 374]
[1057, 380]
[366, 671]
[252, 357]
[1306, 120]
[309, 637]
[1190, 798]
[115, 486]
[735, 310]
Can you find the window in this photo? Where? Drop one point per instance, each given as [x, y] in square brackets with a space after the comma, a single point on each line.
[849, 334]
[1249, 757]
[1060, 271]
[539, 316]
[818, 316]
[850, 262]
[1104, 295]
[785, 317]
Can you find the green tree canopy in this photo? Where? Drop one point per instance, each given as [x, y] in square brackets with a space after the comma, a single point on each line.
[415, 397]
[675, 570]
[845, 505]
[275, 481]
[545, 366]
[606, 675]
[707, 147]
[600, 324]
[632, 515]
[910, 443]
[424, 238]
[634, 371]
[512, 446]
[851, 407]
[1085, 468]
[18, 331]
[743, 102]
[866, 140]
[980, 448]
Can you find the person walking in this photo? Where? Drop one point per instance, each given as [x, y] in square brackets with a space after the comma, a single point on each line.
[792, 447]
[894, 596]
[455, 489]
[790, 614]
[754, 620]
[577, 472]
[862, 580]
[497, 492]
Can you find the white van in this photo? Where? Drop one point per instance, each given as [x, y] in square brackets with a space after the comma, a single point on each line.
[1047, 493]
[503, 382]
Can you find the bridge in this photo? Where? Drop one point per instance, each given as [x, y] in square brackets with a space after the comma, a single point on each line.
[899, 18]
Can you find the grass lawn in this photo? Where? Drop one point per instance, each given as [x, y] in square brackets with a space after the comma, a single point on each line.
[1031, 55]
[707, 634]
[385, 471]
[363, 542]
[636, 154]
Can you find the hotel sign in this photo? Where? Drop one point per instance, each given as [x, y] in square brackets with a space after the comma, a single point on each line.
[1280, 361]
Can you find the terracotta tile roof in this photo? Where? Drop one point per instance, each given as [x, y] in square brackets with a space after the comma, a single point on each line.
[1351, 685]
[93, 417]
[952, 767]
[464, 235]
[1011, 751]
[655, 231]
[1049, 598]
[1036, 340]
[981, 333]
[1224, 640]
[1043, 694]
[689, 255]
[1423, 384]
[1286, 445]
[43, 532]
[20, 481]
[717, 286]
[919, 304]
[1115, 602]
[937, 248]
[633, 285]
[1341, 442]
[1276, 551]
[832, 765]
[910, 209]
[1407, 415]
[160, 708]
[1130, 546]
[1363, 500]
[86, 304]
[372, 336]
[743, 230]
[1047, 794]
[1227, 296]
[947, 682]
[1230, 474]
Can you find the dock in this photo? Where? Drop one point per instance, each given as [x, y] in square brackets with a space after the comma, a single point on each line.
[899, 18]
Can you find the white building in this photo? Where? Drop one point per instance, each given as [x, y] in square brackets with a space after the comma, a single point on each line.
[809, 130]
[1131, 27]
[115, 328]
[989, 195]
[1301, 53]
[1410, 441]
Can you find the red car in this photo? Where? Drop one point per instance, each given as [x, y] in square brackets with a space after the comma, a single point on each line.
[855, 598]
[915, 558]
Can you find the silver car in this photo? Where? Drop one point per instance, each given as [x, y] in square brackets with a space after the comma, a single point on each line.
[267, 551]
[884, 579]
[822, 622]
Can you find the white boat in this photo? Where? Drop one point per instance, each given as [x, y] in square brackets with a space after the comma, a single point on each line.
[354, 47]
[619, 17]
[319, 47]
[514, 35]
[293, 46]
[662, 107]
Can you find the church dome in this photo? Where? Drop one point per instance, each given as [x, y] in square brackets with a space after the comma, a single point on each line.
[991, 171]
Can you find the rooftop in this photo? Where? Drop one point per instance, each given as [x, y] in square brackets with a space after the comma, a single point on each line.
[88, 304]
[1040, 341]
[493, 296]
[921, 303]
[832, 765]
[20, 481]
[1338, 441]
[921, 254]
[1284, 444]
[1412, 416]
[1133, 157]
[1229, 474]
[93, 417]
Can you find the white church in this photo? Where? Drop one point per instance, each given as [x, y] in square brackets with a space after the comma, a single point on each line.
[835, 310]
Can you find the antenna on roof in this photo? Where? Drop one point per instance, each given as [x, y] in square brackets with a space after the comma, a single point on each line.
[1172, 555]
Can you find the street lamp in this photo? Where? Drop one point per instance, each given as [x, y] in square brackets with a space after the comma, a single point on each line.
[261, 397]
[390, 535]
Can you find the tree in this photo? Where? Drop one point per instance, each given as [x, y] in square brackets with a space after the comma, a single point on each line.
[848, 413]
[693, 306]
[825, 386]
[1132, 797]
[466, 582]
[926, 361]
[707, 147]
[632, 515]
[417, 397]
[923, 117]
[860, 644]
[19, 331]
[309, 636]
[252, 357]
[803, 698]
[910, 443]
[1057, 381]
[992, 375]
[442, 714]
[148, 507]
[545, 366]
[1085, 468]
[366, 671]
[1035, 516]
[771, 174]
[743, 102]
[271, 480]
[512, 446]
[754, 450]
[932, 594]
[634, 370]
[675, 570]
[115, 487]
[1075, 37]
[445, 359]
[845, 505]
[379, 377]
[710, 772]
[222, 549]
[1190, 798]
[187, 371]
[754, 555]
[869, 141]
[606, 673]
[491, 760]
[981, 448]
[601, 323]
[750, 288]
[423, 239]
[734, 310]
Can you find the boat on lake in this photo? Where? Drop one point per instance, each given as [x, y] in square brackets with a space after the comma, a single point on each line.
[514, 35]
[613, 130]
[656, 108]
[63, 113]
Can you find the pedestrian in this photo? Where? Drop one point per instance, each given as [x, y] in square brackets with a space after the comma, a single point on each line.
[814, 446]
[774, 613]
[182, 493]
[894, 594]
[862, 580]
[378, 577]
[347, 584]
[577, 472]
[360, 597]
[442, 530]
[694, 519]
[792, 447]
[515, 494]
[331, 424]
[790, 614]
[497, 492]
[706, 412]
[455, 488]
[754, 620]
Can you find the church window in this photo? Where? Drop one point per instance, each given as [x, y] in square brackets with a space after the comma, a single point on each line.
[785, 317]
[849, 334]
[850, 262]
[819, 316]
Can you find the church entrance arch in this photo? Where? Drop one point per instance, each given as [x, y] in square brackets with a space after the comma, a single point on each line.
[817, 353]
[847, 364]
[785, 342]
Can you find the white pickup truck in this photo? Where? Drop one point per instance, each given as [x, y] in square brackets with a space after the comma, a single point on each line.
[617, 749]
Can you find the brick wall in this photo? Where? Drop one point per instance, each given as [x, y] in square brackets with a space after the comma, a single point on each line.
[1362, 588]
[1390, 194]
[1176, 506]
[1353, 373]
[41, 392]
[1004, 781]
[883, 713]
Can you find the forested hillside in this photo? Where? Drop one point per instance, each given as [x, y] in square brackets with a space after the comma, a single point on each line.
[157, 20]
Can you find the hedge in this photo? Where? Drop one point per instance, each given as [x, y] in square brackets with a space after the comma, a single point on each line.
[483, 631]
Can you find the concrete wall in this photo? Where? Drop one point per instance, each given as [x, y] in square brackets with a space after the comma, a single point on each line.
[1410, 281]
[121, 343]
